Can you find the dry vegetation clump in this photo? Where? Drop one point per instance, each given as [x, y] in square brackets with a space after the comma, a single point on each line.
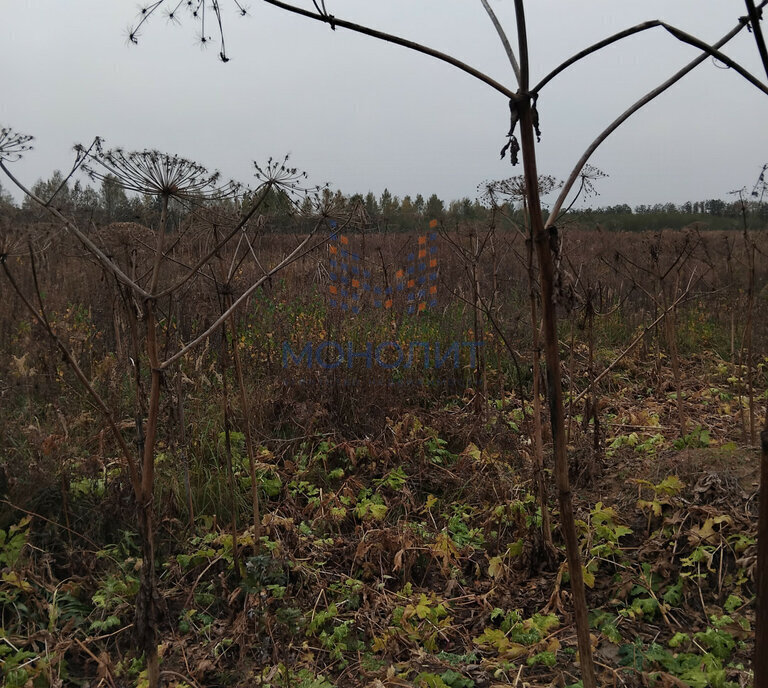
[400, 538]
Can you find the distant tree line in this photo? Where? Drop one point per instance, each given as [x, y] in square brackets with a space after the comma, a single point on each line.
[713, 214]
[389, 213]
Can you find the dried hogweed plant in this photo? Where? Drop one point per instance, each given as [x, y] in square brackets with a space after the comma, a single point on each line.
[522, 99]
[165, 177]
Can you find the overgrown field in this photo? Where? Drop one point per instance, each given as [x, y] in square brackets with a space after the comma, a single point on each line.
[400, 537]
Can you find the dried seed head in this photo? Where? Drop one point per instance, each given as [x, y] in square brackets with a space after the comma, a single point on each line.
[200, 10]
[589, 175]
[289, 181]
[13, 145]
[497, 192]
[156, 174]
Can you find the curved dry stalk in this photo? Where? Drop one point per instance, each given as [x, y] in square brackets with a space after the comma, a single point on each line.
[503, 37]
[714, 52]
[647, 98]
[397, 40]
[275, 174]
[82, 154]
[83, 238]
[294, 255]
[638, 28]
[593, 49]
[203, 261]
[334, 22]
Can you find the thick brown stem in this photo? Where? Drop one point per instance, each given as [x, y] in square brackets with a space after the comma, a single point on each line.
[538, 439]
[670, 332]
[732, 296]
[760, 660]
[148, 597]
[147, 600]
[571, 361]
[552, 357]
[227, 302]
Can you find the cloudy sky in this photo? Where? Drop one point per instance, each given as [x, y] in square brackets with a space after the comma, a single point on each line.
[365, 115]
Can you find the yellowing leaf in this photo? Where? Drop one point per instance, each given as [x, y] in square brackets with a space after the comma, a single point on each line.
[671, 485]
[654, 506]
[495, 567]
[504, 646]
[706, 532]
[13, 578]
[515, 650]
[553, 646]
[423, 607]
[445, 549]
[380, 642]
[472, 452]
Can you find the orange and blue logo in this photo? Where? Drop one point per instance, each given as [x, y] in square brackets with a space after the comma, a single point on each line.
[354, 281]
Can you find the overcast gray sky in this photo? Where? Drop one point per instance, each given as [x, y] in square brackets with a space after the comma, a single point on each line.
[365, 115]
